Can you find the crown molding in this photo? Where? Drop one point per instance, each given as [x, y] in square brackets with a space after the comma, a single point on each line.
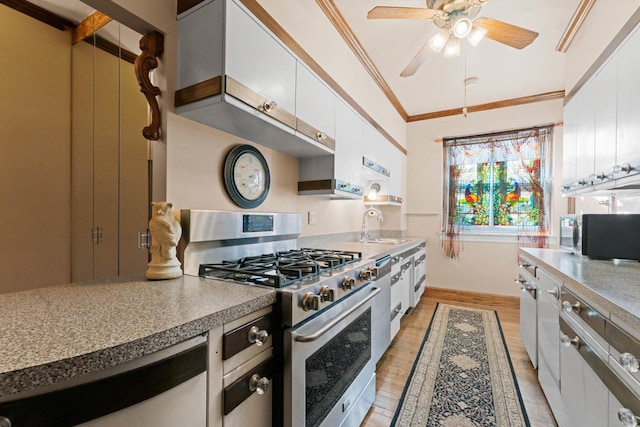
[574, 25]
[548, 96]
[337, 19]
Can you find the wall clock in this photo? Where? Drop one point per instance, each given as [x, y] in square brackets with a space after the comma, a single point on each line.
[246, 176]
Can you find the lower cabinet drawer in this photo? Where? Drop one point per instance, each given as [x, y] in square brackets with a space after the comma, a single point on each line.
[247, 393]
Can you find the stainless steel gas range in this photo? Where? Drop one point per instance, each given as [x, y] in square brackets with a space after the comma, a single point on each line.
[325, 374]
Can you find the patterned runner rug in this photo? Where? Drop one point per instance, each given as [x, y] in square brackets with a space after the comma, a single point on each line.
[463, 375]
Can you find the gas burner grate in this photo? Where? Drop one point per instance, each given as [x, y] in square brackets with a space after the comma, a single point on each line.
[280, 269]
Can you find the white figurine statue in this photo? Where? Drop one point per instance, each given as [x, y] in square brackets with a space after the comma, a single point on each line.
[165, 235]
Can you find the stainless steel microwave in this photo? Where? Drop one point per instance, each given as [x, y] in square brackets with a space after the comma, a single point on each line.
[571, 233]
[602, 236]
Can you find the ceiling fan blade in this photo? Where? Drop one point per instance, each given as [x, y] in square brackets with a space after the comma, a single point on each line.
[508, 34]
[385, 12]
[416, 62]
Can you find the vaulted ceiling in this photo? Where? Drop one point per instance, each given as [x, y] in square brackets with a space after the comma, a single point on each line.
[437, 88]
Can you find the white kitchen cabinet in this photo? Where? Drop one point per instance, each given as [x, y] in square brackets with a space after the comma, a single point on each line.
[569, 145]
[605, 94]
[315, 106]
[349, 131]
[258, 61]
[240, 351]
[162, 389]
[235, 75]
[584, 395]
[628, 107]
[585, 132]
[549, 288]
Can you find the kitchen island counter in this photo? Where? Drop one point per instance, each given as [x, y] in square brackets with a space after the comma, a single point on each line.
[614, 288]
[53, 334]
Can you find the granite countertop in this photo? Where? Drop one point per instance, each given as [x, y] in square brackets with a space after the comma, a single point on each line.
[373, 249]
[56, 333]
[613, 288]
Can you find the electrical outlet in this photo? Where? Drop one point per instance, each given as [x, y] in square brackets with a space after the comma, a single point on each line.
[312, 217]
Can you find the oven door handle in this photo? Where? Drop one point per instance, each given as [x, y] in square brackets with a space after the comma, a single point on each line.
[320, 332]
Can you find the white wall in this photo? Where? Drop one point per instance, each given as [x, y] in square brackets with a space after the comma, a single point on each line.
[482, 267]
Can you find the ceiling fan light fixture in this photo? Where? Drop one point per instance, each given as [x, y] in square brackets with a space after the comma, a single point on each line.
[476, 35]
[461, 27]
[438, 41]
[452, 49]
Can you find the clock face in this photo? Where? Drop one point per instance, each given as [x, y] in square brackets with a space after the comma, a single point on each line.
[249, 176]
[246, 176]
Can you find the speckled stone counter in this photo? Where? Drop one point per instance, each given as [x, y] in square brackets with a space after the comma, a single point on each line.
[373, 250]
[614, 289]
[53, 334]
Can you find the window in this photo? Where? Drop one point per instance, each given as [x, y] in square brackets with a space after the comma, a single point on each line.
[496, 183]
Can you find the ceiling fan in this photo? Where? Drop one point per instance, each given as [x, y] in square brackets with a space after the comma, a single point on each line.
[454, 17]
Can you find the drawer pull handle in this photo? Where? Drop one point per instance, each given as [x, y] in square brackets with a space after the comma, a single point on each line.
[5, 422]
[568, 342]
[257, 336]
[258, 384]
[629, 362]
[627, 418]
[568, 307]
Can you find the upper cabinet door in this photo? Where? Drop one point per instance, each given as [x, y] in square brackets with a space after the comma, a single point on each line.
[569, 145]
[256, 60]
[315, 106]
[348, 153]
[585, 131]
[605, 90]
[628, 124]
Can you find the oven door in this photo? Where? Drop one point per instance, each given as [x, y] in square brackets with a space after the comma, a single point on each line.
[329, 376]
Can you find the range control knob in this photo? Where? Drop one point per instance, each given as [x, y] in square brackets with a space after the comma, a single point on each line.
[348, 283]
[310, 302]
[325, 294]
[368, 273]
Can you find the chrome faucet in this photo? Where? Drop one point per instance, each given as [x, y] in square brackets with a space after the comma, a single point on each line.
[364, 234]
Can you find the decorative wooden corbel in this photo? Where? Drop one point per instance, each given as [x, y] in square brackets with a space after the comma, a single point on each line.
[152, 46]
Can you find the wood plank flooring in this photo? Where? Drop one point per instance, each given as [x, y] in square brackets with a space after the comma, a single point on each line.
[395, 365]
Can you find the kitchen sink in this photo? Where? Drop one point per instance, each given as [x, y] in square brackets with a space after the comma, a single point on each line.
[386, 241]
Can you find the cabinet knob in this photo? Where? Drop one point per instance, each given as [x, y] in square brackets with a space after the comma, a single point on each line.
[259, 384]
[567, 342]
[622, 168]
[321, 136]
[258, 336]
[629, 362]
[568, 307]
[5, 422]
[267, 106]
[627, 418]
[554, 292]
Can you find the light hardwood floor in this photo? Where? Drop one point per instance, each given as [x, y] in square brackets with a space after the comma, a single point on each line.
[395, 365]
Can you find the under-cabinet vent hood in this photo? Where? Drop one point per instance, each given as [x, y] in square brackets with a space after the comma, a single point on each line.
[317, 177]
